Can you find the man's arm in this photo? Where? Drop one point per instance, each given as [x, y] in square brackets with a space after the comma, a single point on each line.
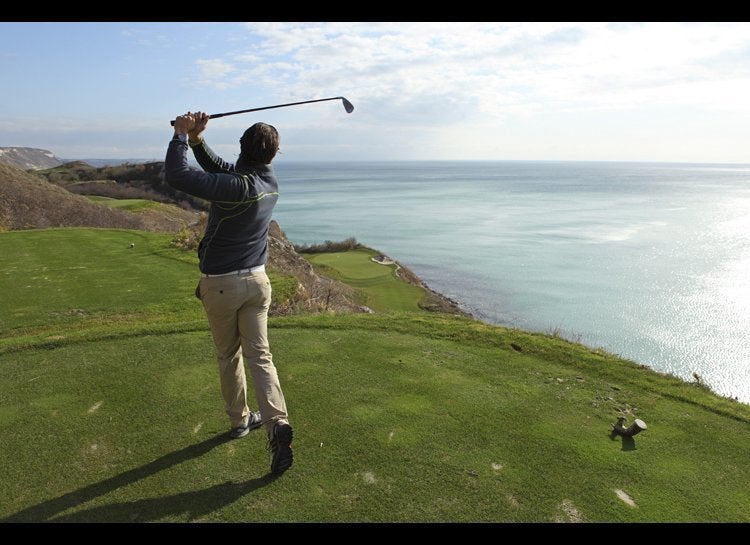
[215, 187]
[207, 159]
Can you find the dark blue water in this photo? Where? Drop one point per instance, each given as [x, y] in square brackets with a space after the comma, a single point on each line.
[648, 261]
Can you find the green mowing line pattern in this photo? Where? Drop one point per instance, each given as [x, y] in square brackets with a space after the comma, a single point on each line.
[400, 416]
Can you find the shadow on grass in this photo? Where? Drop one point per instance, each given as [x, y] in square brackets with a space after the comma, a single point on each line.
[628, 443]
[196, 503]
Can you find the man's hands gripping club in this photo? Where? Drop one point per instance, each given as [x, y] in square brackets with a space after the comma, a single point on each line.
[192, 124]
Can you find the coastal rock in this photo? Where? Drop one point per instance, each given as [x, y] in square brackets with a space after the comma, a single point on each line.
[29, 158]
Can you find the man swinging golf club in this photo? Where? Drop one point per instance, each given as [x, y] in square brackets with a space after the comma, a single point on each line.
[234, 288]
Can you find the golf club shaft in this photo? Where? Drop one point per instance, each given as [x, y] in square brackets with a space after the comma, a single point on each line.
[347, 105]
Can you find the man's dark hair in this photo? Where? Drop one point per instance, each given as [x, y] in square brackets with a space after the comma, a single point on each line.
[259, 144]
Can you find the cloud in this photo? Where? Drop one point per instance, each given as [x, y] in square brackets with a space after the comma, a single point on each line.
[214, 72]
[591, 90]
[496, 68]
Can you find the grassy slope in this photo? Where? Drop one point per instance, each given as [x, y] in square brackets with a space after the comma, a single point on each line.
[109, 410]
[29, 201]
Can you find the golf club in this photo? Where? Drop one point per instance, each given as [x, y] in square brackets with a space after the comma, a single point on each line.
[347, 106]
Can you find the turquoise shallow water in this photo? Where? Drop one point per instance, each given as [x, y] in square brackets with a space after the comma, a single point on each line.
[648, 261]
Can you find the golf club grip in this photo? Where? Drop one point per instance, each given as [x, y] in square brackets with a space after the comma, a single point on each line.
[212, 116]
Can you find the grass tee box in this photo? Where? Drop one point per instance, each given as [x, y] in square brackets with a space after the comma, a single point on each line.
[113, 414]
[61, 276]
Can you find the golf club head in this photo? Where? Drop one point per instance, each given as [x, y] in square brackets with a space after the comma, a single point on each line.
[348, 106]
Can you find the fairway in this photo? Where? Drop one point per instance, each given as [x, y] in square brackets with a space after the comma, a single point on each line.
[381, 288]
[125, 204]
[114, 414]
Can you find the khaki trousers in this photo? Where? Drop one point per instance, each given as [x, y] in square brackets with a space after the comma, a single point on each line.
[237, 310]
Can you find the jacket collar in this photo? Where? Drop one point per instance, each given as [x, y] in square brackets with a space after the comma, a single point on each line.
[253, 166]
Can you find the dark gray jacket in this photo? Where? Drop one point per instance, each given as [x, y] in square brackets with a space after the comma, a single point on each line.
[242, 198]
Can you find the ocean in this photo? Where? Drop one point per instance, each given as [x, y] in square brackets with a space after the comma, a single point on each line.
[649, 261]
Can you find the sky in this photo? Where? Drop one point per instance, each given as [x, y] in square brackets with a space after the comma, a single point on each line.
[588, 91]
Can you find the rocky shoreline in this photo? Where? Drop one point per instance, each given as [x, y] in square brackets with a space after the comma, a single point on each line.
[436, 301]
